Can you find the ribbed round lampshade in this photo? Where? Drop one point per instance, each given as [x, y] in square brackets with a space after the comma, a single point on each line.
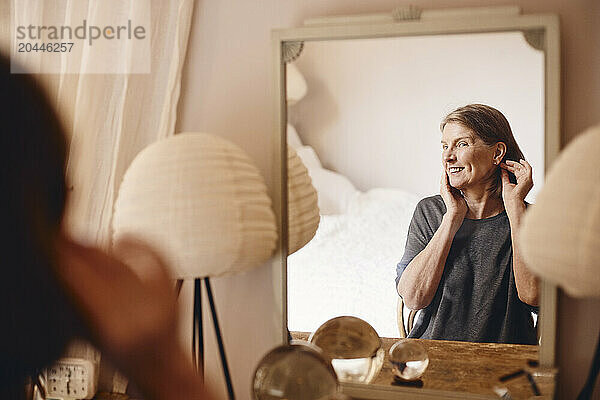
[303, 208]
[295, 84]
[560, 234]
[200, 200]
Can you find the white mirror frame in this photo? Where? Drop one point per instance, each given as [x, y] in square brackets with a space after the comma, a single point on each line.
[545, 32]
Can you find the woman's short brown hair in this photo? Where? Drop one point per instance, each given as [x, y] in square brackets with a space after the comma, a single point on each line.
[491, 126]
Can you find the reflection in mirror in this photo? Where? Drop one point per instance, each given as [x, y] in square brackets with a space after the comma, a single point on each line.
[368, 131]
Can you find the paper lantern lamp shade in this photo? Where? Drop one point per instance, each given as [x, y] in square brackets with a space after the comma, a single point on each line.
[560, 235]
[295, 85]
[303, 208]
[201, 202]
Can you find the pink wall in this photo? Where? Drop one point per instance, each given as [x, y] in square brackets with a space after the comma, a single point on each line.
[226, 92]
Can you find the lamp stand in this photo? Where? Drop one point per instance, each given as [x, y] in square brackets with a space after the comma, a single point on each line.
[197, 330]
[588, 388]
[197, 333]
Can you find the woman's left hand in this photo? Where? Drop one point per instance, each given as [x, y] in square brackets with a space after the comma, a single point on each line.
[513, 194]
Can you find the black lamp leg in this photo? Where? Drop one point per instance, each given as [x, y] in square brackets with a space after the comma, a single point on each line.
[588, 388]
[219, 339]
[197, 334]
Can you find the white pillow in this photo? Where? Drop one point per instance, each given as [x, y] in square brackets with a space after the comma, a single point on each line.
[292, 137]
[309, 158]
[334, 190]
[394, 200]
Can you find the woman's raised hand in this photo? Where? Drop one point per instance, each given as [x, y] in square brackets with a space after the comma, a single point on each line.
[456, 206]
[126, 313]
[129, 304]
[513, 194]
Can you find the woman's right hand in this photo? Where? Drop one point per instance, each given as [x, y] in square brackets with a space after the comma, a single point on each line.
[421, 278]
[456, 206]
[128, 301]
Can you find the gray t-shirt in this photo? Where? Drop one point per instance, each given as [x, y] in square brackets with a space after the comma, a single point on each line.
[476, 299]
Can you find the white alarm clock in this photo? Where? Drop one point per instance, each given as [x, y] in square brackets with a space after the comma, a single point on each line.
[71, 379]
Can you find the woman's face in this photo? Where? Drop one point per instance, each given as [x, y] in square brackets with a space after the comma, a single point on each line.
[467, 160]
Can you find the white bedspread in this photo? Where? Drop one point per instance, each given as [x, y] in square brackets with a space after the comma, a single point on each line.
[350, 265]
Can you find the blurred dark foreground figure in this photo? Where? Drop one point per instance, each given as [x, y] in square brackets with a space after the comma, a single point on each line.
[52, 289]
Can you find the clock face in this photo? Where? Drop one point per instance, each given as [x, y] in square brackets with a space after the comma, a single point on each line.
[70, 379]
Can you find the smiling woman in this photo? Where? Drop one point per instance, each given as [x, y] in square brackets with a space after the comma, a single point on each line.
[461, 264]
[482, 125]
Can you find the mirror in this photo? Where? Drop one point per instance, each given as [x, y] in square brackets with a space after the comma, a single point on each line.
[366, 124]
[370, 118]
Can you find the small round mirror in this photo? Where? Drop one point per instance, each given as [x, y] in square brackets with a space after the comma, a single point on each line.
[354, 348]
[298, 371]
[409, 360]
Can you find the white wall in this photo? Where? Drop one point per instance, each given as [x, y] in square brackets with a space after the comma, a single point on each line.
[373, 106]
[226, 91]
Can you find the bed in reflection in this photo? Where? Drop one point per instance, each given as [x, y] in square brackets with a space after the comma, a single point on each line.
[353, 254]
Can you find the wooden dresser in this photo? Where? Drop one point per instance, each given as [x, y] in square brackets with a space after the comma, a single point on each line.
[471, 367]
[474, 368]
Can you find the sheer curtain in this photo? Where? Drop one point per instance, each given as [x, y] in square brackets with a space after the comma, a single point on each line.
[110, 117]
